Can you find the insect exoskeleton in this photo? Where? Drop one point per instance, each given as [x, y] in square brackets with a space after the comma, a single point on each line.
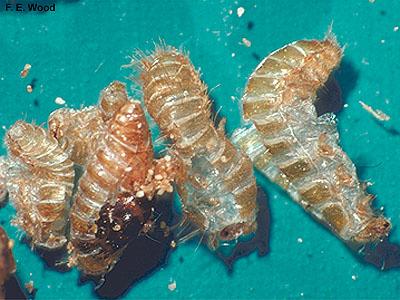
[7, 263]
[79, 131]
[3, 182]
[120, 163]
[298, 150]
[40, 182]
[219, 191]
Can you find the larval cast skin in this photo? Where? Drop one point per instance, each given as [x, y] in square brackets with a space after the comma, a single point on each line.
[40, 182]
[120, 163]
[219, 191]
[299, 151]
[79, 131]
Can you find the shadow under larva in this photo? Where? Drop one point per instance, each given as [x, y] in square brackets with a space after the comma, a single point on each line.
[299, 151]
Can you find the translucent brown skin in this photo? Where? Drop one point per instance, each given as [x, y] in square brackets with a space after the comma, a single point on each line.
[79, 131]
[177, 100]
[7, 263]
[298, 150]
[40, 182]
[121, 163]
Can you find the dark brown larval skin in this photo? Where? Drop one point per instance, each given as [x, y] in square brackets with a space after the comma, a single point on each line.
[117, 225]
[300, 151]
[7, 263]
[219, 191]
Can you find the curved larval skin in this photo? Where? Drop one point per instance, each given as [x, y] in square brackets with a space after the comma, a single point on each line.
[7, 262]
[219, 191]
[80, 131]
[121, 163]
[40, 182]
[299, 151]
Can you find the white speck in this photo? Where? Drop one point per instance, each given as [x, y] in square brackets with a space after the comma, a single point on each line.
[302, 294]
[230, 11]
[59, 101]
[233, 98]
[140, 194]
[300, 240]
[246, 42]
[354, 277]
[364, 61]
[396, 28]
[233, 54]
[240, 11]
[172, 286]
[346, 105]
[382, 41]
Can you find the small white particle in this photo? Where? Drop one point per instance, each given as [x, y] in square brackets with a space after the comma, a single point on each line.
[172, 286]
[233, 54]
[246, 42]
[396, 28]
[354, 277]
[382, 41]
[140, 194]
[233, 98]
[230, 11]
[346, 105]
[240, 11]
[300, 240]
[59, 101]
[302, 294]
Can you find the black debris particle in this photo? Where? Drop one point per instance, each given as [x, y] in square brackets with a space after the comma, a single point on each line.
[36, 103]
[250, 25]
[382, 13]
[181, 260]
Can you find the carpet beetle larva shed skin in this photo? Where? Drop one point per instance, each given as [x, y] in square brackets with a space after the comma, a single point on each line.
[118, 184]
[40, 181]
[219, 192]
[79, 131]
[294, 148]
[7, 263]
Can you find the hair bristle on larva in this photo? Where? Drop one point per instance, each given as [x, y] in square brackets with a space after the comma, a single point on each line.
[40, 182]
[177, 99]
[295, 148]
[80, 131]
[121, 163]
[7, 263]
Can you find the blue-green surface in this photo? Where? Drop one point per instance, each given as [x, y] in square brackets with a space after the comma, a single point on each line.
[79, 49]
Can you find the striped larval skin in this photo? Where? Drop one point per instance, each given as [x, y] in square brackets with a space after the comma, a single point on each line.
[7, 263]
[40, 182]
[219, 192]
[3, 174]
[121, 163]
[294, 148]
[80, 131]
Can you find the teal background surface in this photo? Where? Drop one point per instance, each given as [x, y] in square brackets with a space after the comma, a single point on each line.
[80, 48]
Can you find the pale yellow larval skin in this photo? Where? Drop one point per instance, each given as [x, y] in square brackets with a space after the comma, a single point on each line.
[298, 150]
[40, 180]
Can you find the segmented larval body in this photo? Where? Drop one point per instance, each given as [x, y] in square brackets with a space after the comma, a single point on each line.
[7, 263]
[121, 163]
[177, 99]
[298, 150]
[3, 175]
[80, 131]
[40, 182]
